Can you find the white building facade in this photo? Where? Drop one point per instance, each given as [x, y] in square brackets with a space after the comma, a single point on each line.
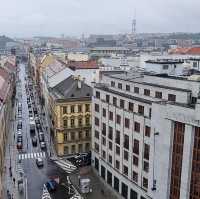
[146, 135]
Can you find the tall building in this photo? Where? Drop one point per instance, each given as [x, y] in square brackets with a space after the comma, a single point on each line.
[146, 135]
[70, 110]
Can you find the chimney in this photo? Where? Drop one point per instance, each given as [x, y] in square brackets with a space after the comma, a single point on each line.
[79, 84]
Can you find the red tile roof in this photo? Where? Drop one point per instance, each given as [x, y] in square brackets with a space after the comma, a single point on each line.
[92, 64]
[186, 51]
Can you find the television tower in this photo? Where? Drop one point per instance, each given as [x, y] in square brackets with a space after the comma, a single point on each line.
[134, 24]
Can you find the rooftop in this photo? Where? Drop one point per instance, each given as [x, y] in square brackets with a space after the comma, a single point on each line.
[72, 88]
[110, 48]
[186, 51]
[91, 64]
[165, 61]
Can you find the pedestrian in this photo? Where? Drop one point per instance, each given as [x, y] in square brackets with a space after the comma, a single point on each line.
[14, 181]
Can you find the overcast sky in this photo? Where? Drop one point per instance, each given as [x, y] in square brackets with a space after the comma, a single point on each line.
[73, 17]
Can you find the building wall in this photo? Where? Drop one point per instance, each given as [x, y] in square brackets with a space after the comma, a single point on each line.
[72, 128]
[167, 148]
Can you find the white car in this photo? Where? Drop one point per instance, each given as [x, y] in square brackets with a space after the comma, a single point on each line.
[39, 162]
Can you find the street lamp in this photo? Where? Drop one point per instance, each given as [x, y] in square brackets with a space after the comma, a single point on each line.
[154, 180]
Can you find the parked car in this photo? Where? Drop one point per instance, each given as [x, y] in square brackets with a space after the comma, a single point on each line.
[43, 145]
[51, 185]
[19, 145]
[39, 162]
[19, 125]
[41, 137]
[34, 141]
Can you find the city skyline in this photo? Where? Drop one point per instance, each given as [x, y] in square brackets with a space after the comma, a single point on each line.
[53, 18]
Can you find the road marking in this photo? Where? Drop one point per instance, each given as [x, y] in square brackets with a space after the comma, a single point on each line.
[31, 155]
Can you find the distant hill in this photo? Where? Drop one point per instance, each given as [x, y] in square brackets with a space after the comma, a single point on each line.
[4, 40]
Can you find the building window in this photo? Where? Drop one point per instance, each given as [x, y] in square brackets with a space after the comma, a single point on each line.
[137, 127]
[72, 109]
[103, 172]
[65, 137]
[135, 176]
[96, 121]
[110, 159]
[64, 110]
[171, 97]
[87, 134]
[108, 98]
[121, 103]
[117, 164]
[124, 190]
[96, 107]
[135, 160]
[136, 90]
[136, 146]
[104, 129]
[80, 135]
[133, 194]
[128, 87]
[146, 166]
[120, 85]
[72, 136]
[116, 184]
[65, 123]
[72, 123]
[117, 150]
[126, 155]
[147, 92]
[98, 94]
[114, 101]
[80, 122]
[104, 141]
[118, 119]
[117, 137]
[127, 123]
[145, 183]
[87, 108]
[130, 106]
[96, 164]
[96, 134]
[96, 147]
[79, 108]
[80, 148]
[125, 170]
[103, 154]
[87, 120]
[104, 112]
[141, 109]
[110, 115]
[87, 146]
[110, 145]
[147, 131]
[146, 151]
[165, 67]
[109, 178]
[112, 84]
[158, 95]
[126, 142]
[110, 133]
[73, 148]
[66, 150]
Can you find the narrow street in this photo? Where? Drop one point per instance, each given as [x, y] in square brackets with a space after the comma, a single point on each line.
[25, 159]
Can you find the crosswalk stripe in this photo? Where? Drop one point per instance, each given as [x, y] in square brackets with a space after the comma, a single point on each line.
[28, 155]
[38, 155]
[34, 155]
[22, 156]
[31, 155]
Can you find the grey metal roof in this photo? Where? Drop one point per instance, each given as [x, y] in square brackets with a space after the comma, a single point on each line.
[68, 89]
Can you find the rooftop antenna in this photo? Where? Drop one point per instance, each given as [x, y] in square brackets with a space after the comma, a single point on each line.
[134, 23]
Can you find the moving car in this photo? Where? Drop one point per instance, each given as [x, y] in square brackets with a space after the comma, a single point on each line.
[34, 141]
[41, 137]
[19, 145]
[39, 162]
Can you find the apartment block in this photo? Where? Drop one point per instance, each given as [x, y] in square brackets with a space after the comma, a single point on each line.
[146, 135]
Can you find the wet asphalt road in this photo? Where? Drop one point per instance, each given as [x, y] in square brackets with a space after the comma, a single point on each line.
[36, 177]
